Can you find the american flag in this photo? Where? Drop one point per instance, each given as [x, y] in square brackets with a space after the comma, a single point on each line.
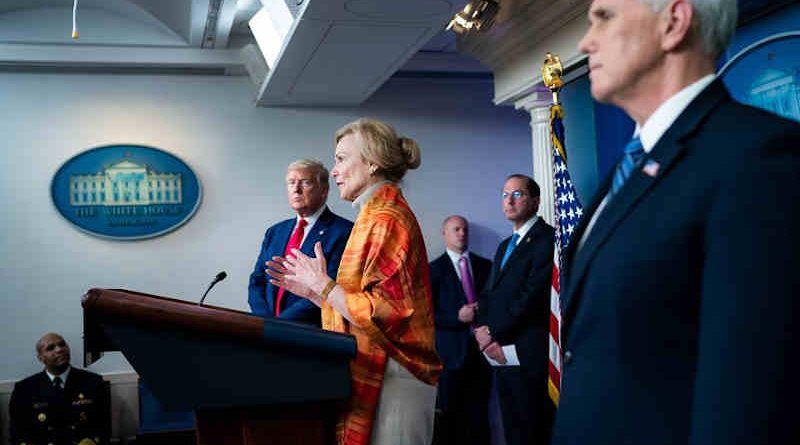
[568, 211]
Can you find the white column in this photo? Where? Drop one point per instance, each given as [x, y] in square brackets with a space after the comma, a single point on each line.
[538, 105]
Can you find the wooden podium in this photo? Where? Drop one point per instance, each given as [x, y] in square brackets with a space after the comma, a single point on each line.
[249, 381]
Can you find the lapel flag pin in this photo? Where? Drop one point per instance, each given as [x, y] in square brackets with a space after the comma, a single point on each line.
[651, 168]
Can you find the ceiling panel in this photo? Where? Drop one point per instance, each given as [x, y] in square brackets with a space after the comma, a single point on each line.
[340, 50]
[345, 51]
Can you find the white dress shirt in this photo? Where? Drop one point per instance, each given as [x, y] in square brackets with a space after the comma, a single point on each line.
[310, 221]
[455, 257]
[64, 375]
[523, 229]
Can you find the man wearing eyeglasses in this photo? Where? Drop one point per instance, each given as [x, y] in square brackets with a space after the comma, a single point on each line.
[307, 186]
[514, 316]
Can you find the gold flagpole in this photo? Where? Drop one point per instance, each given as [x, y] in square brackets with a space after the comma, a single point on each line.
[551, 75]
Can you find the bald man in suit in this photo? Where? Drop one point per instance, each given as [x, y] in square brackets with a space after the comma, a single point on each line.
[463, 392]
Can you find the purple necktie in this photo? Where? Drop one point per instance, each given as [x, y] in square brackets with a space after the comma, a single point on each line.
[466, 281]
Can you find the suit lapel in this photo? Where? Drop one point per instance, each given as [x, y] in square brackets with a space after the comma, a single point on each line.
[285, 232]
[317, 232]
[478, 273]
[45, 384]
[453, 281]
[521, 246]
[498, 257]
[666, 153]
[74, 379]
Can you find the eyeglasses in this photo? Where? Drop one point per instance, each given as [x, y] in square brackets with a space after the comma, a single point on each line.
[516, 194]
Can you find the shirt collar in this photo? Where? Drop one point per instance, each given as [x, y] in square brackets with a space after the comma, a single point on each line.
[364, 197]
[523, 230]
[312, 218]
[455, 256]
[63, 375]
[660, 121]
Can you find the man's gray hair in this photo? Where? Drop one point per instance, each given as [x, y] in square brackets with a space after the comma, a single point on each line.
[313, 166]
[714, 22]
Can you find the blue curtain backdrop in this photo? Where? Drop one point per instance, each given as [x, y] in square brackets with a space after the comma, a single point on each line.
[595, 136]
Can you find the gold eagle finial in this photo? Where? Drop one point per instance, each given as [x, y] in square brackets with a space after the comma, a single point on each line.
[551, 74]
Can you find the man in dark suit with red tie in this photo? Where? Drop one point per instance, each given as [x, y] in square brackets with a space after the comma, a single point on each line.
[307, 186]
[463, 394]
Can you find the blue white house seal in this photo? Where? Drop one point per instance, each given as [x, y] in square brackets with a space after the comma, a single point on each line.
[126, 192]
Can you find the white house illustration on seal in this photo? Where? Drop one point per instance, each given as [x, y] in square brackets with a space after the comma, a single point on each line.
[778, 91]
[125, 184]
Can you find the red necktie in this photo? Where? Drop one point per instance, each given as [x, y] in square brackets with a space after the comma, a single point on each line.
[294, 243]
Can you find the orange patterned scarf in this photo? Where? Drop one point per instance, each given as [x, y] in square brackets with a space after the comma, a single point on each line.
[384, 273]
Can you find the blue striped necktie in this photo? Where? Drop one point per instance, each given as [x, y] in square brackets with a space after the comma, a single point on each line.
[510, 248]
[633, 154]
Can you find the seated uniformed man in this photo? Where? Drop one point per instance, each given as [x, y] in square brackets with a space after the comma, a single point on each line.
[61, 405]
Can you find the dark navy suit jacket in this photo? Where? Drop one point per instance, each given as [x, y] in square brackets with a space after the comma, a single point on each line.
[452, 336]
[516, 301]
[332, 230]
[37, 414]
[464, 386]
[680, 312]
[516, 306]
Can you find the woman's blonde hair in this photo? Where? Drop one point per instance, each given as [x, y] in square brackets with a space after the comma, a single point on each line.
[393, 154]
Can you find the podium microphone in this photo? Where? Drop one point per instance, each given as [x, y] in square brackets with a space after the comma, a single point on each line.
[220, 276]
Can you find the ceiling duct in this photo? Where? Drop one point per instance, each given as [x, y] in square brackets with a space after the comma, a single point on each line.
[338, 52]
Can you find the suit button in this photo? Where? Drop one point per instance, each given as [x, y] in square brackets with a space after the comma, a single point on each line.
[567, 357]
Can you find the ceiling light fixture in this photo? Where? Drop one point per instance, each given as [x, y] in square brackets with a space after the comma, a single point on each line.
[270, 26]
[477, 14]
